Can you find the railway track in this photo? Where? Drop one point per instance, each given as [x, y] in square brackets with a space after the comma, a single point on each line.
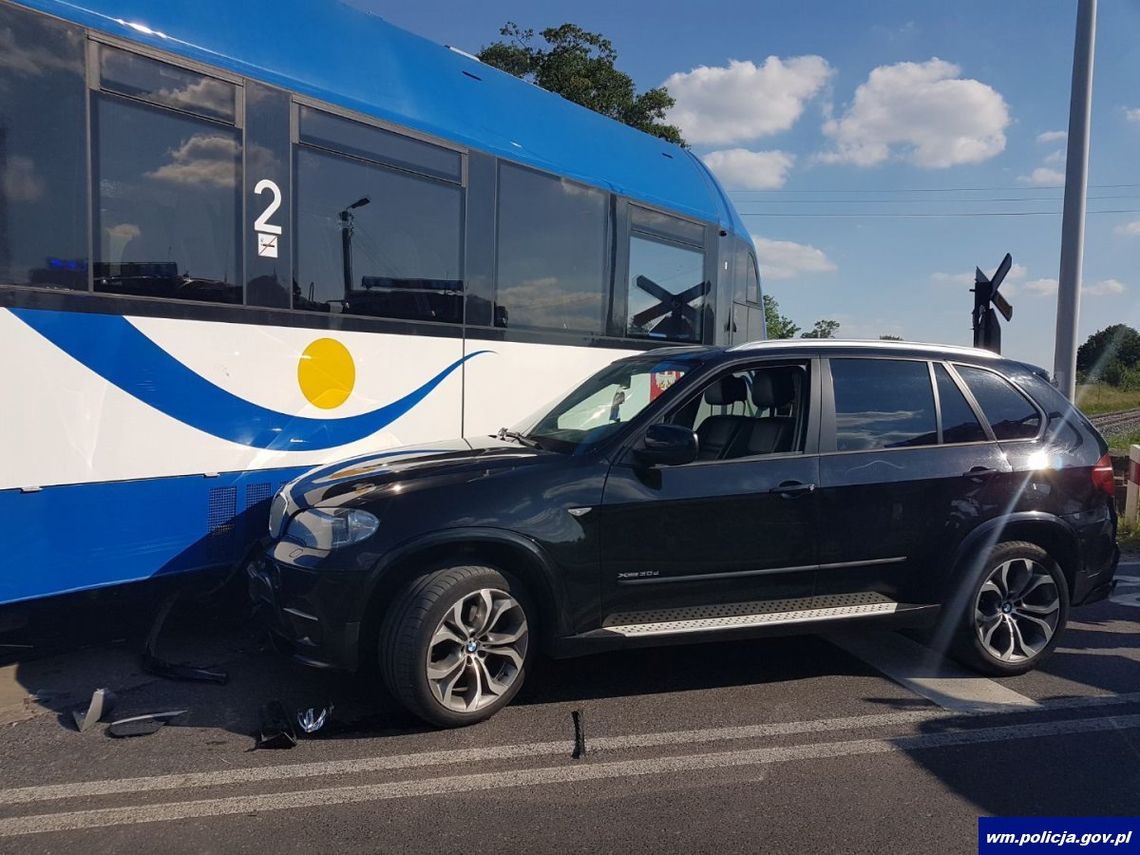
[1124, 421]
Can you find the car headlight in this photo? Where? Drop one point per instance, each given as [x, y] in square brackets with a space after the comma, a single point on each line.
[332, 528]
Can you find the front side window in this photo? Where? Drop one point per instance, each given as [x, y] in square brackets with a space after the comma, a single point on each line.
[376, 241]
[667, 286]
[43, 204]
[882, 403]
[167, 202]
[605, 402]
[551, 252]
[1009, 413]
[749, 413]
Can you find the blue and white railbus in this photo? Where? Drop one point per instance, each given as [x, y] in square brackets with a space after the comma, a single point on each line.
[239, 239]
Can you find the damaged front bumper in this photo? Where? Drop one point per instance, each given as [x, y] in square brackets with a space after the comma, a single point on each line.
[305, 611]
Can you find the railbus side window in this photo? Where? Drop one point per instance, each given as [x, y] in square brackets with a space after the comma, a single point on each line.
[379, 220]
[166, 162]
[551, 252]
[667, 285]
[43, 198]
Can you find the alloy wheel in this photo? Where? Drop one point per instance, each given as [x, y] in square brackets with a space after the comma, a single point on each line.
[1017, 610]
[477, 651]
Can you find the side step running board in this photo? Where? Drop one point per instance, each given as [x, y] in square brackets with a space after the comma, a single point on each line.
[751, 614]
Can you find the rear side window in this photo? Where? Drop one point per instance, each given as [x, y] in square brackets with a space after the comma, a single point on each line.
[1009, 412]
[882, 403]
[959, 424]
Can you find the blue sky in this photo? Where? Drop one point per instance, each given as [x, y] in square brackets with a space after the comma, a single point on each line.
[823, 146]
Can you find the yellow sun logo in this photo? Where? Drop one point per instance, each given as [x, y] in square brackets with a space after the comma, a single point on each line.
[326, 373]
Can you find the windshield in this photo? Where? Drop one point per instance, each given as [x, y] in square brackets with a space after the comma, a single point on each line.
[605, 402]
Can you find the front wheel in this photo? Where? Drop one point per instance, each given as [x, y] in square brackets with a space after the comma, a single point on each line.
[1015, 611]
[455, 645]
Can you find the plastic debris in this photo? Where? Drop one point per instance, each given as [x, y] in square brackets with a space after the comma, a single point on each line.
[142, 725]
[312, 719]
[102, 702]
[153, 664]
[579, 735]
[276, 727]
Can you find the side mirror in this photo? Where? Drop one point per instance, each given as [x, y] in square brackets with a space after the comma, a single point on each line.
[666, 445]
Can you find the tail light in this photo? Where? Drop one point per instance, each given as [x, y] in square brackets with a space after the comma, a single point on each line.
[1102, 476]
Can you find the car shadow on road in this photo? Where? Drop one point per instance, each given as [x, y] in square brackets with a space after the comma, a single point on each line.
[99, 647]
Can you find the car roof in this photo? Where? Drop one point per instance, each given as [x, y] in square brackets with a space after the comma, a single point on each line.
[867, 345]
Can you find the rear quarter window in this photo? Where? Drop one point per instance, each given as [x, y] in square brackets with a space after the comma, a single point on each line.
[1008, 411]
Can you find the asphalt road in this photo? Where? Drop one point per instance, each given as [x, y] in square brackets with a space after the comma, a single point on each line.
[844, 744]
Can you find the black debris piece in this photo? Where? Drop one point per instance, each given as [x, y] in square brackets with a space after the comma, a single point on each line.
[142, 725]
[153, 664]
[276, 728]
[102, 702]
[579, 735]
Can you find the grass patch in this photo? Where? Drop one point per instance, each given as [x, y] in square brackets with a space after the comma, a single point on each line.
[1128, 536]
[1121, 441]
[1094, 398]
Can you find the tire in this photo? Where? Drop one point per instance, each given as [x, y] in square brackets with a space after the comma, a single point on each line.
[1014, 611]
[473, 668]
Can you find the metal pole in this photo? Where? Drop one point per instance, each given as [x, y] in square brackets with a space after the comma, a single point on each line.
[1073, 219]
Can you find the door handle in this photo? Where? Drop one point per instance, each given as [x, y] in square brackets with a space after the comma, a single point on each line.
[977, 473]
[791, 489]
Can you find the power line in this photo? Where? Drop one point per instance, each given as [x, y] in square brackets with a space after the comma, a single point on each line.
[913, 216]
[929, 189]
[973, 200]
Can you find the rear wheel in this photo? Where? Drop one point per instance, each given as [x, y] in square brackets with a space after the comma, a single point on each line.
[1015, 611]
[455, 645]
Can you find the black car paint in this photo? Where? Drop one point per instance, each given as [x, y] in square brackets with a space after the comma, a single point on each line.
[895, 521]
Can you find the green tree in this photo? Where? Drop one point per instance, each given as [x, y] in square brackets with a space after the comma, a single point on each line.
[822, 329]
[1118, 343]
[579, 66]
[778, 325]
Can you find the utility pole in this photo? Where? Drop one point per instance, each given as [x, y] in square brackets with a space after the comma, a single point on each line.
[1073, 219]
[346, 229]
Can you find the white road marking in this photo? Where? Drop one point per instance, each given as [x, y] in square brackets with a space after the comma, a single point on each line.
[1127, 591]
[598, 744]
[928, 674]
[569, 773]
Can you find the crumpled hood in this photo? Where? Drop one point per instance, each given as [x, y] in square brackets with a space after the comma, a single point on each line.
[369, 475]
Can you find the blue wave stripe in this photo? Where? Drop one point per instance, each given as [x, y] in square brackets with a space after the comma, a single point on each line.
[117, 351]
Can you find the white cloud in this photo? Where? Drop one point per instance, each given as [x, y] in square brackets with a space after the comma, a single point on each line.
[20, 181]
[1131, 229]
[952, 278]
[1040, 287]
[742, 101]
[1043, 176]
[124, 231]
[741, 169]
[1056, 158]
[1017, 272]
[204, 159]
[1052, 136]
[785, 259]
[1132, 114]
[923, 112]
[1104, 288]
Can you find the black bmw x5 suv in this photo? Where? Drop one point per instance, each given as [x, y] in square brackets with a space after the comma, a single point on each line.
[692, 494]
